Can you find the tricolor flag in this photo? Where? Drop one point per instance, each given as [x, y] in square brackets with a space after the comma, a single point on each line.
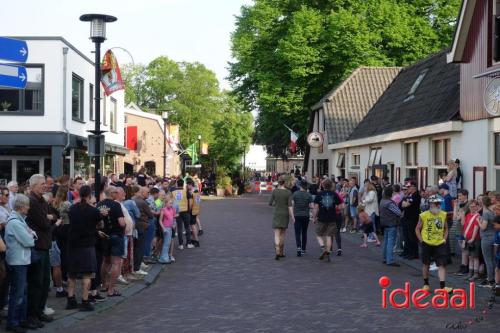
[293, 140]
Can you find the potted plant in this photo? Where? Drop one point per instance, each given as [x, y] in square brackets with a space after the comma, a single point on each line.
[226, 182]
[220, 187]
[5, 105]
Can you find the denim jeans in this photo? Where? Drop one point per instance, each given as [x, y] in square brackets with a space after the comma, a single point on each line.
[167, 239]
[373, 217]
[300, 226]
[18, 296]
[390, 234]
[125, 245]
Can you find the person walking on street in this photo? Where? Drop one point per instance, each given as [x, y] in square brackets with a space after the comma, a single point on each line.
[39, 269]
[432, 232]
[325, 217]
[281, 200]
[19, 239]
[302, 201]
[390, 216]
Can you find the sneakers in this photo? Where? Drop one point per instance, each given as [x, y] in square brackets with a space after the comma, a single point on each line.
[172, 259]
[141, 272]
[448, 290]
[144, 266]
[343, 230]
[181, 247]
[190, 246]
[122, 280]
[61, 294]
[339, 252]
[433, 267]
[97, 298]
[299, 252]
[48, 311]
[426, 287]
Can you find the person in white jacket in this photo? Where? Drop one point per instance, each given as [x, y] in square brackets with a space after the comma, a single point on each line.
[370, 201]
[19, 239]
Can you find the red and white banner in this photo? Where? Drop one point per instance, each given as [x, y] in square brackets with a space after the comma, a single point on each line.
[111, 76]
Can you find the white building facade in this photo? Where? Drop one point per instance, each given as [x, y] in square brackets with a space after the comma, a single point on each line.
[44, 128]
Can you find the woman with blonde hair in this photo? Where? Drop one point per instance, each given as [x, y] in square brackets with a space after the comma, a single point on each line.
[281, 200]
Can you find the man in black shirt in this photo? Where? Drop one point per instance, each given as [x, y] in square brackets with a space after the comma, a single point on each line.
[410, 205]
[114, 248]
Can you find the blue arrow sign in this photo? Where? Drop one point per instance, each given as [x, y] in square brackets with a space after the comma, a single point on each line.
[13, 49]
[13, 76]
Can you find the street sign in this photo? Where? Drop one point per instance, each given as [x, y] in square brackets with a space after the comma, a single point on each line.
[13, 49]
[13, 76]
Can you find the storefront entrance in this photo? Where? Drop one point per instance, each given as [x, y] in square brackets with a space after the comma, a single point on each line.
[20, 168]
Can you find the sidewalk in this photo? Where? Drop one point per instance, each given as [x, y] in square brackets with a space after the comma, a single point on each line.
[63, 319]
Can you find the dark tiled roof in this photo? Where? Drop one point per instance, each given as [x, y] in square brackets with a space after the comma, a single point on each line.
[436, 100]
[347, 104]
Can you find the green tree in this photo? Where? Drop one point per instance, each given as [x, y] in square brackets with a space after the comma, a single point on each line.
[289, 53]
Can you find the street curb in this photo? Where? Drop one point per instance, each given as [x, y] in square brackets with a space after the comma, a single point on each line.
[417, 265]
[127, 292]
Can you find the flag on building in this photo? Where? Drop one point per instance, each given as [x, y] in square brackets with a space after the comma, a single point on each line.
[111, 76]
[192, 151]
[204, 148]
[293, 140]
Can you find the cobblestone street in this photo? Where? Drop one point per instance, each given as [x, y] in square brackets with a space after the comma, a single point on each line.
[233, 284]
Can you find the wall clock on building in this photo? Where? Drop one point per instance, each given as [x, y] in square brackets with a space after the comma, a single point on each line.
[492, 97]
[315, 139]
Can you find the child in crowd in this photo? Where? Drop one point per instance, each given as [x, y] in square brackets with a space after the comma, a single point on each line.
[167, 216]
[472, 242]
[366, 226]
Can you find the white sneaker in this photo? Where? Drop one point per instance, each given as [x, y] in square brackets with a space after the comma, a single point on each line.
[181, 247]
[190, 246]
[343, 230]
[144, 266]
[122, 280]
[48, 311]
[172, 259]
[141, 272]
[433, 267]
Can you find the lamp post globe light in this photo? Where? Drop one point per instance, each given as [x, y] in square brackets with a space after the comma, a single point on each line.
[98, 36]
[164, 116]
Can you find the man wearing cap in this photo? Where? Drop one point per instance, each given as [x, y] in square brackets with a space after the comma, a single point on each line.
[432, 232]
[410, 205]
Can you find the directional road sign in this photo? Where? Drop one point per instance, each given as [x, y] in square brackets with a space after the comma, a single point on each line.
[13, 49]
[13, 76]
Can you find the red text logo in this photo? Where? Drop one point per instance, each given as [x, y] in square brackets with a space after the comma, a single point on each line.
[400, 298]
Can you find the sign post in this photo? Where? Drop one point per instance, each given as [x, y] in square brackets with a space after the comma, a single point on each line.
[13, 76]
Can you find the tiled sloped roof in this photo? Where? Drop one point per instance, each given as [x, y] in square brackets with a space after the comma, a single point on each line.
[437, 99]
[347, 104]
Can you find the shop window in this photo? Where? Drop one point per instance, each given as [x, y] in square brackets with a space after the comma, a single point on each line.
[28, 101]
[341, 164]
[497, 149]
[442, 151]
[411, 154]
[355, 161]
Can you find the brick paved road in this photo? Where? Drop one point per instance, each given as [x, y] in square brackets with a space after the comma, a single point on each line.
[233, 284]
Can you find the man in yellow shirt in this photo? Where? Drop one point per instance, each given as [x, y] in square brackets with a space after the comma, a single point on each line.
[432, 232]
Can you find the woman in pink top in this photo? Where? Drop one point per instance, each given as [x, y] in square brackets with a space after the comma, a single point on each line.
[167, 215]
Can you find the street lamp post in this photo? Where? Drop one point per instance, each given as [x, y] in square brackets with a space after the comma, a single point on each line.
[164, 116]
[98, 36]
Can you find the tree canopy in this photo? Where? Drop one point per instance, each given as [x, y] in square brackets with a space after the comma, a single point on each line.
[289, 53]
[192, 94]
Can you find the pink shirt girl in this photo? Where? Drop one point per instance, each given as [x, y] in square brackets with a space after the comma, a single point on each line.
[168, 217]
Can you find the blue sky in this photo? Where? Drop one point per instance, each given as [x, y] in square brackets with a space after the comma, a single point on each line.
[184, 30]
